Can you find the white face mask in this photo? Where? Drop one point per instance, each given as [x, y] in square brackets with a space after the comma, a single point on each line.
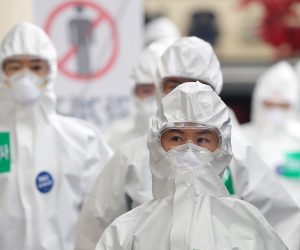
[146, 107]
[193, 157]
[190, 156]
[276, 116]
[145, 111]
[26, 87]
[194, 165]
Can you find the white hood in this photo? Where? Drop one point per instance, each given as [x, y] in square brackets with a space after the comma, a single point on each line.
[191, 57]
[62, 153]
[279, 82]
[297, 69]
[191, 209]
[144, 73]
[189, 102]
[145, 69]
[28, 39]
[160, 28]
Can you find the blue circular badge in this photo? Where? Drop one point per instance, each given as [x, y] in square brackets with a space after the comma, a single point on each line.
[288, 173]
[44, 182]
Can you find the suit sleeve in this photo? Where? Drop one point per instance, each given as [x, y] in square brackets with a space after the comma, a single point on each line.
[256, 183]
[106, 201]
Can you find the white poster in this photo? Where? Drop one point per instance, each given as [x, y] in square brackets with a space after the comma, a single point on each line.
[97, 43]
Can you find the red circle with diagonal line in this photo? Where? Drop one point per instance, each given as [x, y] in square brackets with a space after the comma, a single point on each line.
[104, 16]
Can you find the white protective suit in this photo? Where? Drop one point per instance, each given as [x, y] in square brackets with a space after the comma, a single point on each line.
[297, 68]
[269, 130]
[128, 171]
[191, 208]
[252, 179]
[160, 28]
[143, 73]
[53, 159]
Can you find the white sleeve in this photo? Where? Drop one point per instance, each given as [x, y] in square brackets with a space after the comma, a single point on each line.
[255, 183]
[97, 155]
[119, 234]
[110, 240]
[106, 201]
[265, 235]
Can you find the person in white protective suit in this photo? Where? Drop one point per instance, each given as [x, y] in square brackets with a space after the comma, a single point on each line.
[190, 147]
[160, 28]
[129, 174]
[110, 184]
[48, 162]
[144, 96]
[297, 69]
[275, 105]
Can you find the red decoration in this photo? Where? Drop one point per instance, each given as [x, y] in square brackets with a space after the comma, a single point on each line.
[278, 24]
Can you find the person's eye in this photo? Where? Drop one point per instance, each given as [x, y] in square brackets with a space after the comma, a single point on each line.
[176, 138]
[36, 68]
[202, 140]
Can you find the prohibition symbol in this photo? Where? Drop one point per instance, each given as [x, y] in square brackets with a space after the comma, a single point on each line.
[78, 48]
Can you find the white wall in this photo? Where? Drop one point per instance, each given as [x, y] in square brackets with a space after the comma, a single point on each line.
[238, 41]
[13, 12]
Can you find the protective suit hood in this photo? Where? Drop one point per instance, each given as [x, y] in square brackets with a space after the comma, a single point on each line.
[190, 57]
[278, 83]
[28, 39]
[144, 73]
[55, 159]
[184, 198]
[189, 102]
[160, 28]
[145, 69]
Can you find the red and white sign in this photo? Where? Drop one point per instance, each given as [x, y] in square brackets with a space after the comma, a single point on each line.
[97, 43]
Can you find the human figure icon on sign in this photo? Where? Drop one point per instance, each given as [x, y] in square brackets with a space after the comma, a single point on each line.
[81, 36]
[86, 23]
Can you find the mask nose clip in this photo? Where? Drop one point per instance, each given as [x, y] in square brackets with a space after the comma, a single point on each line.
[189, 143]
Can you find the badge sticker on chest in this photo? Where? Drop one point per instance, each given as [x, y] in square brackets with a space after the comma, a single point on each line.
[44, 182]
[4, 152]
